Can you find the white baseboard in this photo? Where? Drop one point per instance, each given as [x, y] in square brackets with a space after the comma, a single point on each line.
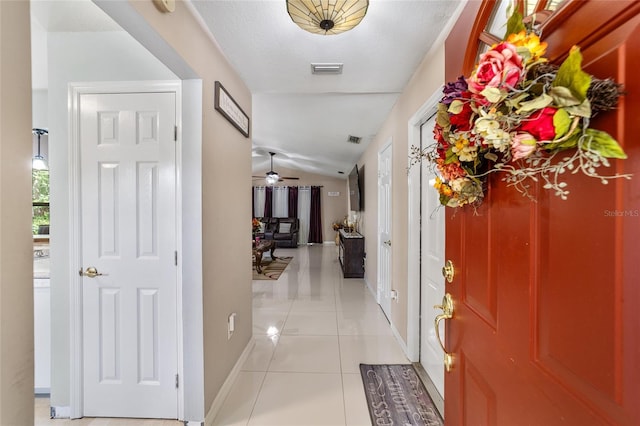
[190, 423]
[373, 293]
[60, 412]
[394, 330]
[398, 337]
[226, 386]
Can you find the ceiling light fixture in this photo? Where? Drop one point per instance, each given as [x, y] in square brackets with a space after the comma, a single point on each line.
[272, 177]
[38, 162]
[327, 16]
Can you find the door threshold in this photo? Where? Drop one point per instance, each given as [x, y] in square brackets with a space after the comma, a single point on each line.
[438, 400]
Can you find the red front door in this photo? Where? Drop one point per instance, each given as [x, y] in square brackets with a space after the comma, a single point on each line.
[546, 323]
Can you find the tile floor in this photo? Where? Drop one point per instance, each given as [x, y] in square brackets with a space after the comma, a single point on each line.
[312, 328]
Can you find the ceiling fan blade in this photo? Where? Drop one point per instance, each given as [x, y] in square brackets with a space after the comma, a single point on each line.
[290, 178]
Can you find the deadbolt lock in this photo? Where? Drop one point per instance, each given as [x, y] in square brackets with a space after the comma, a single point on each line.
[448, 271]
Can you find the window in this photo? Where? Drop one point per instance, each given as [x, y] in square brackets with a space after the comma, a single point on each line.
[40, 197]
[493, 22]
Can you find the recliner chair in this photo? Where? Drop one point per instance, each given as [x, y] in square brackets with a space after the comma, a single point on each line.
[283, 230]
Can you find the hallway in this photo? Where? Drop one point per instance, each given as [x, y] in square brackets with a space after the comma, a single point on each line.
[312, 329]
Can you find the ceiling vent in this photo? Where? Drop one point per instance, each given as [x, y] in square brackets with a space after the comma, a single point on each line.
[326, 68]
[354, 139]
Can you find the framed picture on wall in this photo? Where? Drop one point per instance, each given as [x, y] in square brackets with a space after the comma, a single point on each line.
[227, 106]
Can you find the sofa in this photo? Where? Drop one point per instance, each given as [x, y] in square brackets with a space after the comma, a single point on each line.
[283, 230]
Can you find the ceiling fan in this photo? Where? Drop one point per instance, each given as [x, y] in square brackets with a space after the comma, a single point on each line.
[272, 177]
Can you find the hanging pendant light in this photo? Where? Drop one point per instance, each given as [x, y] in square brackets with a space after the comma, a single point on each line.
[39, 163]
[272, 177]
[327, 16]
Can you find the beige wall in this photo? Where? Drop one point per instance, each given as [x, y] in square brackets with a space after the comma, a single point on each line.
[333, 208]
[425, 82]
[226, 209]
[16, 245]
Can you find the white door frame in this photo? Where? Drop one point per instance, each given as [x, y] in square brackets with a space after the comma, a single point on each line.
[75, 229]
[414, 228]
[379, 296]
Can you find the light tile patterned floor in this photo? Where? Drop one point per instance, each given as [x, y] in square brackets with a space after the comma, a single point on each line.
[312, 328]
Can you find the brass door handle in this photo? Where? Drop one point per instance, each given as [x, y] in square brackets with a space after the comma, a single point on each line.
[91, 272]
[447, 313]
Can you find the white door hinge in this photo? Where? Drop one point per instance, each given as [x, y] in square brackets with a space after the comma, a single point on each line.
[175, 133]
[177, 381]
[175, 257]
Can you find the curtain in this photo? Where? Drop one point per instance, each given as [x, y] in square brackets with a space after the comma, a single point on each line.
[304, 209]
[293, 201]
[258, 201]
[280, 201]
[315, 217]
[267, 201]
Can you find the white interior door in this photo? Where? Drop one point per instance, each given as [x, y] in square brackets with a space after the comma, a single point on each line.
[432, 260]
[128, 191]
[384, 230]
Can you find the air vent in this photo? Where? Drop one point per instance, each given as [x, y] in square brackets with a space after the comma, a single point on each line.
[354, 139]
[326, 68]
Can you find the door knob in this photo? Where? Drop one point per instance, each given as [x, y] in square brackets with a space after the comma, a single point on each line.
[91, 272]
[447, 313]
[448, 271]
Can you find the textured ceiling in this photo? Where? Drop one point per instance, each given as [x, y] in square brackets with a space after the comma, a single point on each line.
[307, 118]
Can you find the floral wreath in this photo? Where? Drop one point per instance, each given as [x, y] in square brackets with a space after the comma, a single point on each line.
[515, 114]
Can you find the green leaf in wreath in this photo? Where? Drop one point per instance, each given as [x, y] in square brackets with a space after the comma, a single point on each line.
[456, 107]
[536, 103]
[514, 24]
[563, 97]
[493, 94]
[570, 75]
[582, 110]
[604, 144]
[524, 53]
[450, 156]
[515, 101]
[561, 122]
[570, 142]
[442, 117]
[491, 156]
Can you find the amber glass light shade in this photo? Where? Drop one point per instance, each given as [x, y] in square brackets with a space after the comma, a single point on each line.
[327, 16]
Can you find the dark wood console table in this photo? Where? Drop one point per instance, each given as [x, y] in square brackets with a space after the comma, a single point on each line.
[351, 254]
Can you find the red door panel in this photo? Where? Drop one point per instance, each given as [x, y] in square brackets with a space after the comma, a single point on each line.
[546, 326]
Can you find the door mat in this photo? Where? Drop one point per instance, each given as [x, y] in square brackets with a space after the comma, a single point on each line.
[396, 396]
[271, 269]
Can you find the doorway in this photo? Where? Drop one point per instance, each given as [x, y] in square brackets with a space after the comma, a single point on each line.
[125, 319]
[425, 253]
[384, 229]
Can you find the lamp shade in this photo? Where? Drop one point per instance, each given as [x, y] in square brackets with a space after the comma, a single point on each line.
[327, 16]
[39, 163]
[272, 178]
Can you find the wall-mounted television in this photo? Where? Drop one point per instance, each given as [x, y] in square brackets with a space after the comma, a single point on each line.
[356, 189]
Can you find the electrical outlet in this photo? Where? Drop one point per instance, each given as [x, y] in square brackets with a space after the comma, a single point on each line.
[231, 325]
